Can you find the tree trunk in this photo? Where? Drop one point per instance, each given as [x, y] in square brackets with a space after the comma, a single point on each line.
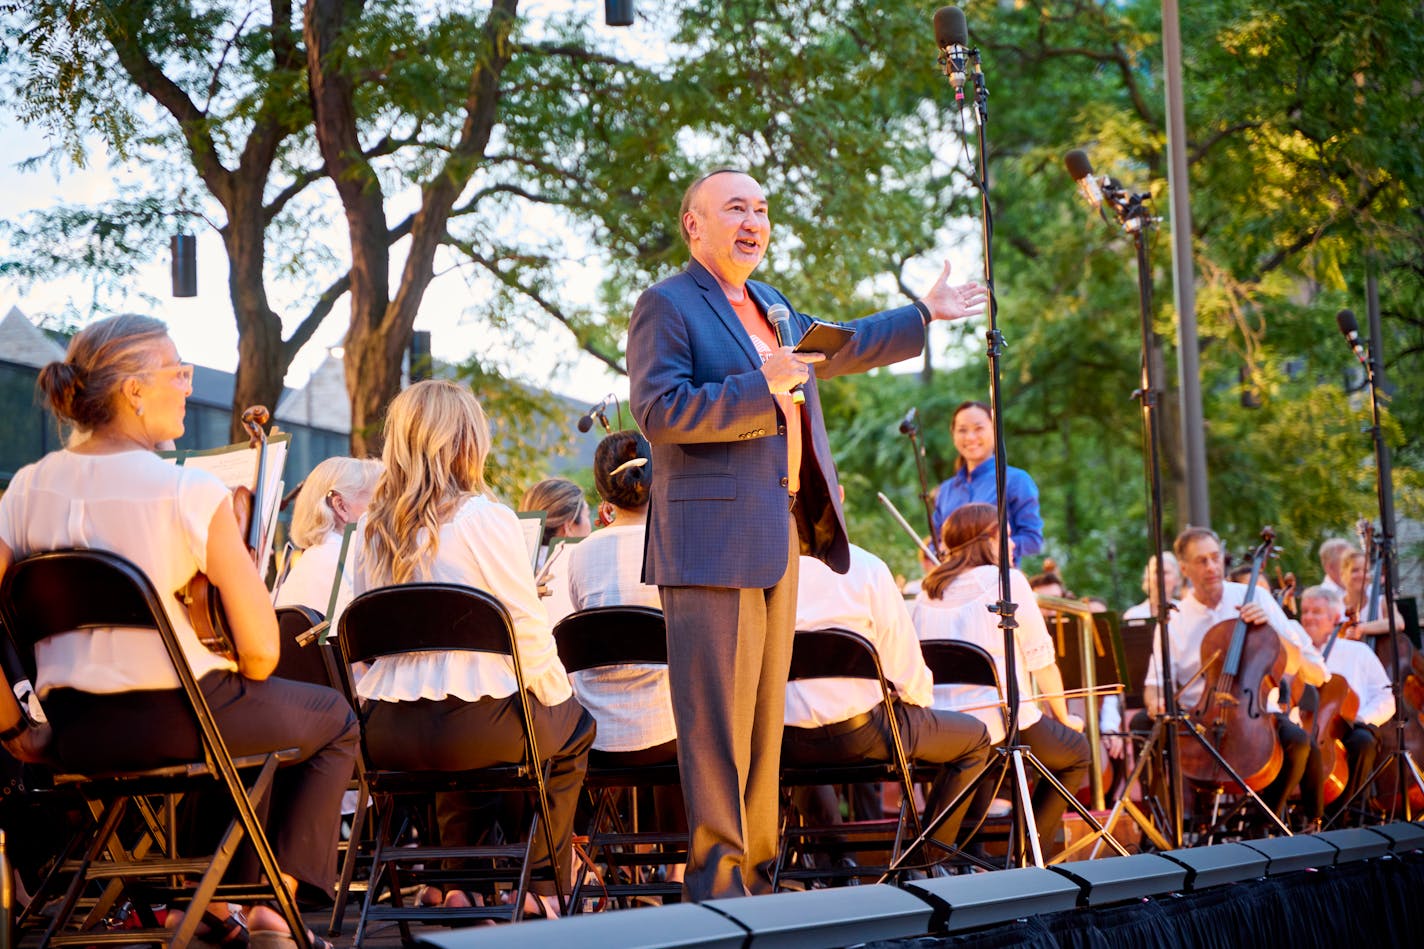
[261, 358]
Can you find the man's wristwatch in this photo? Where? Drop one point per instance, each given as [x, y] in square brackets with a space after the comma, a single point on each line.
[16, 730]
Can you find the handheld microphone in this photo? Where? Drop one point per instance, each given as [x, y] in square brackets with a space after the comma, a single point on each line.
[585, 421]
[910, 424]
[952, 40]
[1345, 319]
[779, 316]
[1081, 169]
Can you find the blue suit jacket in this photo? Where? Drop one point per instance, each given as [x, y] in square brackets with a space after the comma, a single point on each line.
[719, 514]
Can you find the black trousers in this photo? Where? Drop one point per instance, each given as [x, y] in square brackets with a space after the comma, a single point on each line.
[659, 806]
[1066, 755]
[1301, 767]
[1361, 750]
[454, 735]
[134, 730]
[958, 743]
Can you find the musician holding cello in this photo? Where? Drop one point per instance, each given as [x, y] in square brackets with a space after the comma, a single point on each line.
[1213, 600]
[1321, 613]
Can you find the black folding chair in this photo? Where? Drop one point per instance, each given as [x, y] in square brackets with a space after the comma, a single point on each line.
[842, 654]
[305, 656]
[600, 638]
[67, 590]
[953, 662]
[443, 617]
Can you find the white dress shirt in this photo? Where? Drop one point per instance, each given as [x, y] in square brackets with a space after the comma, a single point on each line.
[962, 613]
[864, 600]
[1366, 675]
[310, 580]
[1189, 624]
[1329, 584]
[481, 546]
[142, 508]
[632, 704]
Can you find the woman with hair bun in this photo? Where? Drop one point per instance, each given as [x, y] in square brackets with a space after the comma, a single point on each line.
[335, 494]
[632, 704]
[432, 519]
[952, 605]
[111, 696]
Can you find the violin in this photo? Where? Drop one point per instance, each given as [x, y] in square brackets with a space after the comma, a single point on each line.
[200, 597]
[1242, 665]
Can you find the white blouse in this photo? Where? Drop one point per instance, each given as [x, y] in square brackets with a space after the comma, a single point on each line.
[482, 546]
[962, 613]
[632, 704]
[309, 581]
[142, 508]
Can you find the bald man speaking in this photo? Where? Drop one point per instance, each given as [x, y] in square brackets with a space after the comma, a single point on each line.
[743, 483]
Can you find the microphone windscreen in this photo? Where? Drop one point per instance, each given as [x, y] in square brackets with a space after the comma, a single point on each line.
[585, 423]
[1078, 164]
[1345, 319]
[950, 27]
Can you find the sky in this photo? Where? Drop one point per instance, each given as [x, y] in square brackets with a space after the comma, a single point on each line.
[203, 326]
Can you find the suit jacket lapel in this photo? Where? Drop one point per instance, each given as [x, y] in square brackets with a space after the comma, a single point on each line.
[712, 291]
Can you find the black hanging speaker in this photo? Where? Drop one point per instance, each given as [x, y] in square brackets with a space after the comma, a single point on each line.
[419, 355]
[618, 12]
[185, 265]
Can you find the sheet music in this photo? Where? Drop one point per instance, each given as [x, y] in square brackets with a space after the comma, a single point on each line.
[236, 466]
[533, 524]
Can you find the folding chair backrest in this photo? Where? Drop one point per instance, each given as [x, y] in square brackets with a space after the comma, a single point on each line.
[611, 636]
[64, 590]
[833, 653]
[953, 662]
[315, 662]
[421, 617]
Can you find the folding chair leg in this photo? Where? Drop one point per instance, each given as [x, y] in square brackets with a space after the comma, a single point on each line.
[112, 815]
[384, 810]
[348, 861]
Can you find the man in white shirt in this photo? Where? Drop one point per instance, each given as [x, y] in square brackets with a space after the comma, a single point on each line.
[1320, 611]
[835, 721]
[1213, 600]
[1332, 560]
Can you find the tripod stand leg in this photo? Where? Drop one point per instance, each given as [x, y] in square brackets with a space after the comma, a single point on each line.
[1029, 825]
[899, 863]
[1125, 805]
[1069, 798]
[1231, 772]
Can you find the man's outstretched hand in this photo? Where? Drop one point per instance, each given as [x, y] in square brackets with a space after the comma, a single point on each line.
[954, 303]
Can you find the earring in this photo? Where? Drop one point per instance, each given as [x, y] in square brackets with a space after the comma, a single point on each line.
[138, 410]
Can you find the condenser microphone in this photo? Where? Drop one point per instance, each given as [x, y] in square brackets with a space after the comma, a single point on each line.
[779, 316]
[596, 411]
[1345, 319]
[910, 424]
[1081, 169]
[952, 40]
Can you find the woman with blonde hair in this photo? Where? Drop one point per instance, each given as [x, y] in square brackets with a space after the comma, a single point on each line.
[335, 494]
[566, 515]
[112, 697]
[432, 518]
[952, 605]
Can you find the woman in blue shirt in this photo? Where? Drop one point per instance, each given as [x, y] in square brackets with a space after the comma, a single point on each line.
[973, 480]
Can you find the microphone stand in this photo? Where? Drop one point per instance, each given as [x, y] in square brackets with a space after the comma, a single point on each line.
[1136, 219]
[1017, 758]
[1400, 755]
[917, 448]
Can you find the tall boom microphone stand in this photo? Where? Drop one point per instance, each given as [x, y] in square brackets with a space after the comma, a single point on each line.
[1017, 758]
[1400, 756]
[1135, 218]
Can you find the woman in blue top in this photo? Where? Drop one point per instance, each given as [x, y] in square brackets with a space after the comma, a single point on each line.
[973, 480]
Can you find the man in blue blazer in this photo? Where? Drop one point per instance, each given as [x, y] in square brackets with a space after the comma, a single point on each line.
[743, 483]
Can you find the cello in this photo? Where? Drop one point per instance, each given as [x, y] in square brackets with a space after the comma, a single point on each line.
[1327, 719]
[1242, 664]
[199, 597]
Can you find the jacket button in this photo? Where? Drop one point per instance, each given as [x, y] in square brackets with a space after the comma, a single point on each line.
[781, 429]
[785, 482]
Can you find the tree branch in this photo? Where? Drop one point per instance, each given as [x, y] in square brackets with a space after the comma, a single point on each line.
[319, 311]
[547, 305]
